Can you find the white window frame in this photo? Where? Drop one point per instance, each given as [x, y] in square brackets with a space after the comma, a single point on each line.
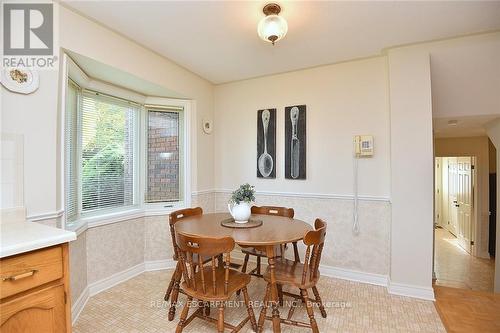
[136, 201]
[140, 209]
[162, 208]
[105, 212]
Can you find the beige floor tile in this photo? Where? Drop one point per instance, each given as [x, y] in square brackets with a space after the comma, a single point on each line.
[137, 306]
[454, 267]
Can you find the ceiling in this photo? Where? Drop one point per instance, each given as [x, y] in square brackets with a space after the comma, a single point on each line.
[465, 76]
[102, 72]
[218, 39]
[464, 126]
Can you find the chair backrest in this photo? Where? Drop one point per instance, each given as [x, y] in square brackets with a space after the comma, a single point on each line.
[277, 211]
[271, 210]
[314, 240]
[204, 247]
[177, 216]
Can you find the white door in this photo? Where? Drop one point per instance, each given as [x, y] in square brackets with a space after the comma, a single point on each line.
[464, 204]
[452, 195]
[438, 192]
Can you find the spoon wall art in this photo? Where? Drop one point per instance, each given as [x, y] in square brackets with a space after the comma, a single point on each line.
[266, 143]
[295, 142]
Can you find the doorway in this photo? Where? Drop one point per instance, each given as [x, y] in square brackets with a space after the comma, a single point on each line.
[455, 263]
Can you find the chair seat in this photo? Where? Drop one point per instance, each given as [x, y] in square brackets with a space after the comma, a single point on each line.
[258, 253]
[289, 272]
[236, 281]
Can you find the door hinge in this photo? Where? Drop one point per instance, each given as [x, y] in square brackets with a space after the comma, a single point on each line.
[472, 166]
[65, 298]
[471, 242]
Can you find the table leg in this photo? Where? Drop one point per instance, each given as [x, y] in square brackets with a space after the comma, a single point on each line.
[271, 255]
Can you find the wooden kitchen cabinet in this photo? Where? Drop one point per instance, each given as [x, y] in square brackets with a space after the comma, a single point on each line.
[34, 291]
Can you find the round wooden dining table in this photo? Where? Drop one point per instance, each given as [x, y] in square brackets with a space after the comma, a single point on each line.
[275, 230]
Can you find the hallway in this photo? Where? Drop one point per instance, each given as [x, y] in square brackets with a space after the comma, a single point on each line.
[454, 267]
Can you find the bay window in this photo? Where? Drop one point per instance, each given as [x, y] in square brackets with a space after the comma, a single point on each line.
[120, 155]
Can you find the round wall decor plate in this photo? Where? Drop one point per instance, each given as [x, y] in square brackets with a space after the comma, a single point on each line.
[20, 80]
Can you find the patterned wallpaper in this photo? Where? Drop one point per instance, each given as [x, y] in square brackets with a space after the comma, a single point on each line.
[103, 251]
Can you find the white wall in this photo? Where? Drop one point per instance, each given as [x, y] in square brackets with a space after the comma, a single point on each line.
[411, 172]
[34, 117]
[342, 100]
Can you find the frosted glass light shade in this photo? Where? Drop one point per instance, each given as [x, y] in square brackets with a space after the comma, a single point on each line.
[272, 28]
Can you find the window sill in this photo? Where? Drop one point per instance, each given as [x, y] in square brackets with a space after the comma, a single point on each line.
[103, 219]
[155, 209]
[86, 223]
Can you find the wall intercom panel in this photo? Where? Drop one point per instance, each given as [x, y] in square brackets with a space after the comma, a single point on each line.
[363, 145]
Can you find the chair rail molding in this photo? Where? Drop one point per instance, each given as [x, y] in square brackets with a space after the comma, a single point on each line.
[45, 216]
[301, 195]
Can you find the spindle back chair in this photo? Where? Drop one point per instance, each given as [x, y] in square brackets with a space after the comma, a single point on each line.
[250, 251]
[173, 289]
[213, 283]
[300, 275]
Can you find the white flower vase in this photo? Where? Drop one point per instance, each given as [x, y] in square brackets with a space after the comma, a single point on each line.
[241, 212]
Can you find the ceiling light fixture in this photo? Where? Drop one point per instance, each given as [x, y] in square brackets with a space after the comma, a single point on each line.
[272, 28]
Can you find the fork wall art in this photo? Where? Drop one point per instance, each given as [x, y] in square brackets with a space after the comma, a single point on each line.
[295, 142]
[266, 143]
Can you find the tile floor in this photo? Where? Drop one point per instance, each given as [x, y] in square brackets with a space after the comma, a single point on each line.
[137, 306]
[456, 268]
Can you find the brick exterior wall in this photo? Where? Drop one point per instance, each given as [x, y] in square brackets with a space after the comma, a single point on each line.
[163, 157]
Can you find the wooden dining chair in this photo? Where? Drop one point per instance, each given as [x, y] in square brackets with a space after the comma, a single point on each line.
[212, 284]
[250, 251]
[300, 275]
[173, 289]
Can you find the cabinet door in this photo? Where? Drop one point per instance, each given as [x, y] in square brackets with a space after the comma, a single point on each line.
[41, 311]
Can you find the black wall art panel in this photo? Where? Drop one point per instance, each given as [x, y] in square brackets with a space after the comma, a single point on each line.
[295, 142]
[266, 143]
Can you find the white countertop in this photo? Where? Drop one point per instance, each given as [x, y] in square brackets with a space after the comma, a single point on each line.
[19, 237]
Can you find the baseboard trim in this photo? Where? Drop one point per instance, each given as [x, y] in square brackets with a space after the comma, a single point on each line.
[410, 291]
[352, 275]
[157, 265]
[79, 304]
[115, 279]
